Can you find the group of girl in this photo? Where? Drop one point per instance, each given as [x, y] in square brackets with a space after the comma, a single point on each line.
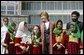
[44, 39]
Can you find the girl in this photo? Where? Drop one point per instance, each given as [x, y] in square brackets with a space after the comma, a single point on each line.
[36, 40]
[73, 39]
[59, 39]
[22, 39]
[9, 40]
[4, 30]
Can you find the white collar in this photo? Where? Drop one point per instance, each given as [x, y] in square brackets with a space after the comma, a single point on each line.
[47, 25]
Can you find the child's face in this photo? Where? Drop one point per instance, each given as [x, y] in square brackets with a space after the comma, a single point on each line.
[14, 27]
[59, 25]
[36, 30]
[72, 27]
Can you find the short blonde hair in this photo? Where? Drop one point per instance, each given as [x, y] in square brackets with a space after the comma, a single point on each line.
[44, 13]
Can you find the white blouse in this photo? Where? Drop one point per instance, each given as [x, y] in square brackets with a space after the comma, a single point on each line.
[47, 25]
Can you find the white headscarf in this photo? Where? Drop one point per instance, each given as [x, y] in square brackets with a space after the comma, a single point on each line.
[3, 36]
[22, 32]
[3, 32]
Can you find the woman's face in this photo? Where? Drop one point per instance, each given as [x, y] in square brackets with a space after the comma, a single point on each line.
[36, 30]
[43, 18]
[59, 25]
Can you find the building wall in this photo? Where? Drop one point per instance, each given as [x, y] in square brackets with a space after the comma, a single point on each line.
[30, 10]
[56, 10]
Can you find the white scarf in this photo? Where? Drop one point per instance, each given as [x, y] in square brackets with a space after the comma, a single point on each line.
[3, 36]
[22, 33]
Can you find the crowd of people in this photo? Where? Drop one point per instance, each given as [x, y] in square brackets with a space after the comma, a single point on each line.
[45, 38]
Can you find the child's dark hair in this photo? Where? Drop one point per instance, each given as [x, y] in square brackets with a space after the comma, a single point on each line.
[37, 26]
[13, 24]
[25, 22]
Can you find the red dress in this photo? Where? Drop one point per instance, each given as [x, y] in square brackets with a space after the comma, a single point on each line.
[18, 49]
[11, 47]
[62, 42]
[73, 47]
[36, 49]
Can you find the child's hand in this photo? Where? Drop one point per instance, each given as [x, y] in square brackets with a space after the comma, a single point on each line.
[23, 48]
[59, 46]
[27, 48]
[34, 46]
[66, 51]
[6, 51]
[37, 40]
